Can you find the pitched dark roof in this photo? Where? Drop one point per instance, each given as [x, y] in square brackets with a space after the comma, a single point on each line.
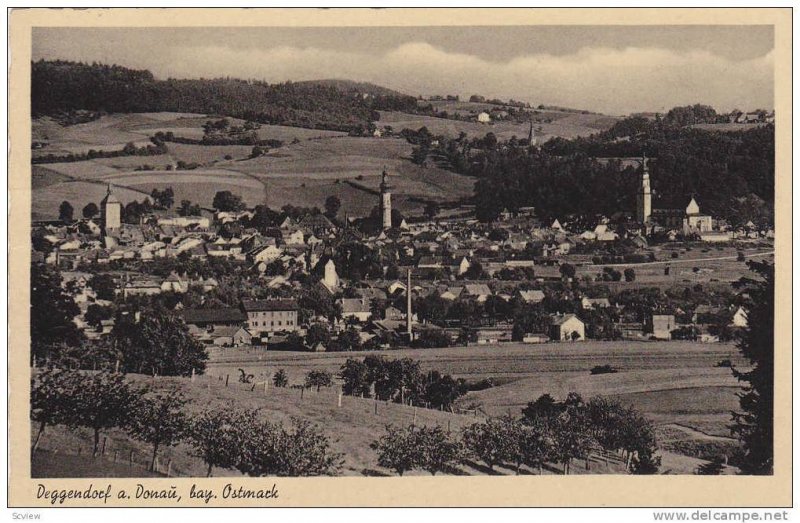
[226, 315]
[316, 220]
[269, 305]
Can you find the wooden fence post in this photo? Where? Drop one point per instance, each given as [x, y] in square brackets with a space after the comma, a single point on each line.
[103, 449]
[376, 405]
[302, 391]
[169, 467]
[116, 453]
[340, 400]
[226, 379]
[192, 374]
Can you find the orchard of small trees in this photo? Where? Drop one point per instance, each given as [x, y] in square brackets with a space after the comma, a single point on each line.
[548, 432]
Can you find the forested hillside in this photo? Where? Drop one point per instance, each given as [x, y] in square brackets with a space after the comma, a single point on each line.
[731, 174]
[61, 87]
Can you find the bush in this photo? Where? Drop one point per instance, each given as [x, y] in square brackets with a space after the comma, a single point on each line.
[280, 380]
[301, 450]
[318, 379]
[603, 369]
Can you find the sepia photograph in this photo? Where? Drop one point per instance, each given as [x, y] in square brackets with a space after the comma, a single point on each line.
[400, 251]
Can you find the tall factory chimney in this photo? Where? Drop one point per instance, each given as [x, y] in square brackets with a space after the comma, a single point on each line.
[408, 307]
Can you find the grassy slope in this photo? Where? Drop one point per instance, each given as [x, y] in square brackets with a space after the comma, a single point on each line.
[676, 384]
[303, 173]
[673, 382]
[351, 427]
[566, 125]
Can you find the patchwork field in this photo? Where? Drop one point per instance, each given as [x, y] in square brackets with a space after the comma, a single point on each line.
[569, 126]
[47, 200]
[303, 173]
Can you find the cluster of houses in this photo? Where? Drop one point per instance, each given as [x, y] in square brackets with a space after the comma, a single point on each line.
[451, 256]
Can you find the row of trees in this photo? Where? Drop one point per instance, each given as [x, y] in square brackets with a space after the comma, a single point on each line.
[400, 381]
[130, 149]
[228, 438]
[548, 432]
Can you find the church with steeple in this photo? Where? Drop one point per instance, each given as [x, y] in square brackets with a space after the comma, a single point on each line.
[644, 205]
[110, 213]
[688, 220]
[386, 202]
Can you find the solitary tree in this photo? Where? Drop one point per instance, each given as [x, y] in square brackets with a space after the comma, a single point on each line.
[431, 210]
[90, 210]
[52, 312]
[319, 379]
[438, 452]
[227, 201]
[65, 211]
[280, 380]
[159, 343]
[159, 420]
[489, 442]
[52, 398]
[332, 205]
[398, 450]
[103, 401]
[304, 450]
[567, 271]
[218, 437]
[754, 424]
[630, 274]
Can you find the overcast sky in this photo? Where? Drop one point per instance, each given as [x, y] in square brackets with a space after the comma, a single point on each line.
[612, 69]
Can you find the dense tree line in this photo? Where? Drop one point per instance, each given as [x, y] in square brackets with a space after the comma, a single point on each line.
[732, 174]
[63, 86]
[400, 381]
[156, 148]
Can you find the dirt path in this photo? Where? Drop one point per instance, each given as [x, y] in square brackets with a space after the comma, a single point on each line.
[699, 434]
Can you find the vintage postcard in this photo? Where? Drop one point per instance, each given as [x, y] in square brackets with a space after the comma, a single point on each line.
[400, 257]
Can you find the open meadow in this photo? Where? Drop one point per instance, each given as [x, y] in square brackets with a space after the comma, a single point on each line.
[301, 173]
[676, 384]
[564, 125]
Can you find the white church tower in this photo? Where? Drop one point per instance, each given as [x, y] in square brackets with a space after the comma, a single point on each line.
[643, 198]
[386, 202]
[331, 279]
[110, 212]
